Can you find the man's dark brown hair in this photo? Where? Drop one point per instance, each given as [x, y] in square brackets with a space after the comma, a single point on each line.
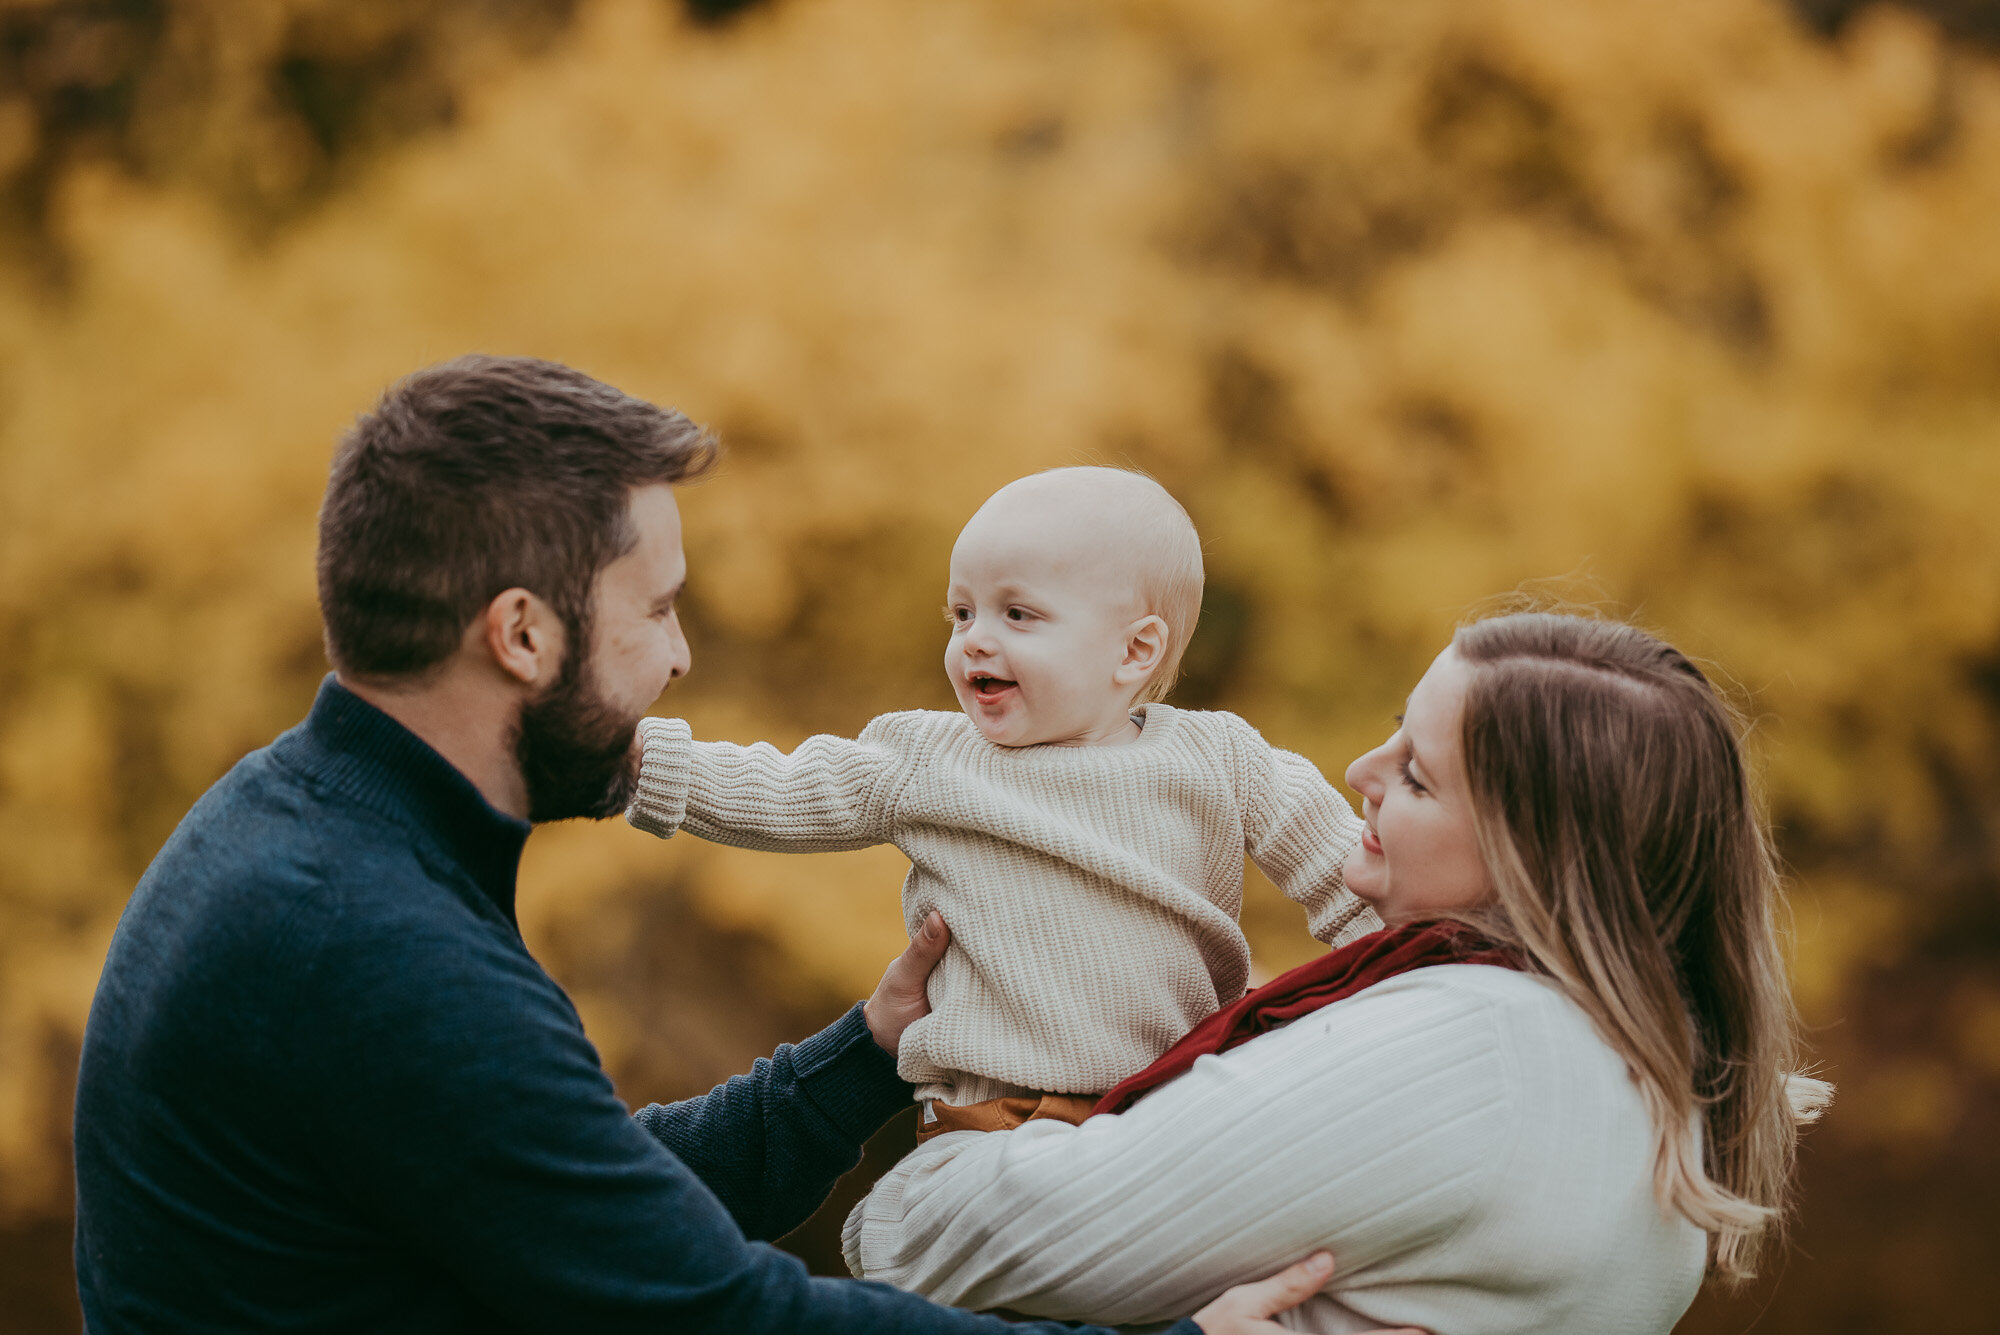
[477, 476]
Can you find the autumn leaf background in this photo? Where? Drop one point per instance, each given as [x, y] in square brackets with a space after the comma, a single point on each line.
[1689, 311]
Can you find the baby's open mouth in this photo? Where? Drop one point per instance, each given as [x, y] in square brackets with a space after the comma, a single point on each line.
[989, 688]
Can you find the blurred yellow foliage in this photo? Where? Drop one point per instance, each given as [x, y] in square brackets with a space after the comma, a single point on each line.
[1409, 302]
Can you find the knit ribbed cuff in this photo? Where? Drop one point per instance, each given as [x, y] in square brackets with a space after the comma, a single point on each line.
[849, 1078]
[666, 768]
[1356, 918]
[1363, 922]
[873, 1241]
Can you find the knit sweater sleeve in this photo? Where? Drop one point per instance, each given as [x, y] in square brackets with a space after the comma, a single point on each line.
[452, 1098]
[1298, 829]
[1372, 1127]
[771, 1143]
[827, 795]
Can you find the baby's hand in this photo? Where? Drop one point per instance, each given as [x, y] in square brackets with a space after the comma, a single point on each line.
[900, 998]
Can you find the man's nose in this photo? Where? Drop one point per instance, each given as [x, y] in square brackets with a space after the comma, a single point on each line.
[681, 658]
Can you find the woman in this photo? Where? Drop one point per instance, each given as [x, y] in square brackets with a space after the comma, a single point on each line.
[1566, 1144]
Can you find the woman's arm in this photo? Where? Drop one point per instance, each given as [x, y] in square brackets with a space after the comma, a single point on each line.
[1369, 1128]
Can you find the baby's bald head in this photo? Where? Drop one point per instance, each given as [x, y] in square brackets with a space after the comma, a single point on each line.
[1122, 529]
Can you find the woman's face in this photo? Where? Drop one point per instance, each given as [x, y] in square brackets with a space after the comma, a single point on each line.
[1418, 854]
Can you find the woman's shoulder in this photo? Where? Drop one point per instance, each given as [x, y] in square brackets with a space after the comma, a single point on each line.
[1502, 988]
[1457, 1019]
[1485, 986]
[1534, 1020]
[1567, 1092]
[1507, 1045]
[1578, 1148]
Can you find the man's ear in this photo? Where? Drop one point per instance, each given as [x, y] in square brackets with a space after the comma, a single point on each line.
[524, 636]
[1145, 646]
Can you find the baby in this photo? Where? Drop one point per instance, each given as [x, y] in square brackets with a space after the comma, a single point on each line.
[1084, 841]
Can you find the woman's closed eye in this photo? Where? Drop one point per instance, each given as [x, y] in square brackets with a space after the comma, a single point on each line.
[1409, 779]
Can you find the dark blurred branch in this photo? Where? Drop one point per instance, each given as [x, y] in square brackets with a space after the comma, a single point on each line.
[265, 115]
[1967, 20]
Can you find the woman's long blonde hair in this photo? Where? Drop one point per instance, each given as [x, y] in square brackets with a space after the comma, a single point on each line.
[1632, 866]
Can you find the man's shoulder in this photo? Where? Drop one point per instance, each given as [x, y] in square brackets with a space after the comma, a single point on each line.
[267, 818]
[279, 894]
[271, 897]
[275, 860]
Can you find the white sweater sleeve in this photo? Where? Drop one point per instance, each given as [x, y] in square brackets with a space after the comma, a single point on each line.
[1298, 829]
[830, 794]
[1372, 1127]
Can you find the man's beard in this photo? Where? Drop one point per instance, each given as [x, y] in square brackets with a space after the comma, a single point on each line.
[578, 754]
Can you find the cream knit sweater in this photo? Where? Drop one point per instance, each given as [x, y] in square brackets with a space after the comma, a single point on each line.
[1473, 1153]
[1092, 892]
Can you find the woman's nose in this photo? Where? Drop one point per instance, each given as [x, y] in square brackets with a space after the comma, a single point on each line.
[1363, 774]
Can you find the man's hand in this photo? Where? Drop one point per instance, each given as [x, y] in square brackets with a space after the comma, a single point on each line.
[1244, 1309]
[900, 998]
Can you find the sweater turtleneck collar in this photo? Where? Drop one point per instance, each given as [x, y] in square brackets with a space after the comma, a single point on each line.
[354, 747]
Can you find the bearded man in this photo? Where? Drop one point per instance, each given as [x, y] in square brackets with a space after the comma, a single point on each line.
[324, 1085]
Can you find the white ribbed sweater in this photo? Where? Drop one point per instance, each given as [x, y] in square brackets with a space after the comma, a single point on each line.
[1092, 892]
[1476, 1157]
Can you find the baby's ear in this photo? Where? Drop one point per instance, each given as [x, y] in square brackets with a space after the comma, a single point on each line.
[1145, 646]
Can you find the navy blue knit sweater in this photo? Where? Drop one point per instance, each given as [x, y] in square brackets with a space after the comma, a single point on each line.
[325, 1087]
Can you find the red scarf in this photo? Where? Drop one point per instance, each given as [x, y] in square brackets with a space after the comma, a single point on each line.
[1332, 977]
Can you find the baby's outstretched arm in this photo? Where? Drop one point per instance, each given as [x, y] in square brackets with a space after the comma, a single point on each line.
[830, 794]
[1298, 829]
